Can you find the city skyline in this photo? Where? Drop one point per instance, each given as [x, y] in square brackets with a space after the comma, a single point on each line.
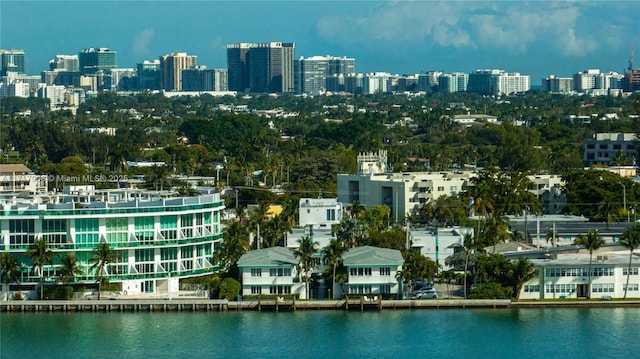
[404, 37]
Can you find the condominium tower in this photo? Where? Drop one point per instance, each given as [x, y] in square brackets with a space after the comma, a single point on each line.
[171, 67]
[11, 61]
[316, 74]
[261, 67]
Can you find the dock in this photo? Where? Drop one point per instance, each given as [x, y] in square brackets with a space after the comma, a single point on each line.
[136, 305]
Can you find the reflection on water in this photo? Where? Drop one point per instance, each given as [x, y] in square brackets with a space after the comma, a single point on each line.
[494, 333]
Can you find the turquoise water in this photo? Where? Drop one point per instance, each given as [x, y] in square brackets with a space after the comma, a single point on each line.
[486, 333]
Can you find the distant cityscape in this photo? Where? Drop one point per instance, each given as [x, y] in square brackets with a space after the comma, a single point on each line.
[271, 67]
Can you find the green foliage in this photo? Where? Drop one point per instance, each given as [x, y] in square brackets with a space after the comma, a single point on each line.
[491, 290]
[58, 293]
[229, 289]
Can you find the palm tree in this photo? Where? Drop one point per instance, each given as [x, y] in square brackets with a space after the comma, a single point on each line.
[352, 231]
[523, 271]
[305, 251]
[591, 242]
[333, 253]
[631, 241]
[40, 255]
[103, 255]
[552, 235]
[70, 268]
[9, 269]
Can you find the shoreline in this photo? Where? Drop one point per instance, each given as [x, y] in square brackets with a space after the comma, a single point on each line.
[221, 305]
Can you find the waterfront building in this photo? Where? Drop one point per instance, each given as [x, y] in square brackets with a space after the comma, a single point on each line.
[158, 238]
[372, 270]
[566, 275]
[438, 243]
[603, 148]
[261, 67]
[148, 73]
[92, 60]
[377, 82]
[171, 66]
[11, 60]
[270, 271]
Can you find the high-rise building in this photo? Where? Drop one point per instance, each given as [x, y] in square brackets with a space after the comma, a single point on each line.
[453, 82]
[237, 66]
[171, 67]
[497, 82]
[220, 80]
[92, 60]
[311, 74]
[11, 61]
[428, 82]
[148, 75]
[64, 63]
[123, 79]
[261, 67]
[557, 84]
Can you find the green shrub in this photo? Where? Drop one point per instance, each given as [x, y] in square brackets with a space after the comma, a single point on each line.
[490, 290]
[58, 293]
[228, 289]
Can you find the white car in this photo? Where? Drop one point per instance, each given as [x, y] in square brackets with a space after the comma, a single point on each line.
[430, 293]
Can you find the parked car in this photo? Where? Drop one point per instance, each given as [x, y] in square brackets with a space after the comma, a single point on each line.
[430, 293]
[421, 285]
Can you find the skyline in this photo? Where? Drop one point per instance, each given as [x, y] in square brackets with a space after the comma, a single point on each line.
[532, 38]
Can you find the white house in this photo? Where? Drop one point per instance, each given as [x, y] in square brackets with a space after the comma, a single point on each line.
[438, 243]
[567, 276]
[270, 271]
[372, 270]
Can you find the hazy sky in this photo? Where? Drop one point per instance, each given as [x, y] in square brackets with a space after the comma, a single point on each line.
[536, 38]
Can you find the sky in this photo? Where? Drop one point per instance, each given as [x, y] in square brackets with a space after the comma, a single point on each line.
[536, 38]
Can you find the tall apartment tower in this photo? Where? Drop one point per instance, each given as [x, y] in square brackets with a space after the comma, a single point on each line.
[11, 61]
[261, 67]
[311, 74]
[64, 63]
[453, 82]
[148, 75]
[94, 59]
[171, 67]
[497, 82]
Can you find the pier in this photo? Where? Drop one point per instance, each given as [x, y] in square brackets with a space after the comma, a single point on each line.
[137, 305]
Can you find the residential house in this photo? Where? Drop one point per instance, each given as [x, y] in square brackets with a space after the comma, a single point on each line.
[270, 271]
[372, 270]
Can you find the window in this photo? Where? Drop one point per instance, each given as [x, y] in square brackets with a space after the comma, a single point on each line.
[602, 288]
[359, 271]
[279, 289]
[634, 271]
[280, 272]
[440, 188]
[531, 288]
[256, 289]
[632, 287]
[256, 272]
[385, 288]
[331, 214]
[560, 288]
[385, 271]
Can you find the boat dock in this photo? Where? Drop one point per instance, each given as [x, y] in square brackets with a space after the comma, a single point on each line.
[136, 305]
